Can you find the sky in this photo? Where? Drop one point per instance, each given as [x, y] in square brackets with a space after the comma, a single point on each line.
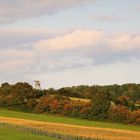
[70, 42]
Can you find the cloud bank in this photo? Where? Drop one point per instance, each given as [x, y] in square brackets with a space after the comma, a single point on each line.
[92, 44]
[57, 50]
[40, 52]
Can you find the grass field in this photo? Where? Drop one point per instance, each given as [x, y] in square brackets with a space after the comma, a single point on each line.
[71, 131]
[65, 120]
[79, 99]
[10, 134]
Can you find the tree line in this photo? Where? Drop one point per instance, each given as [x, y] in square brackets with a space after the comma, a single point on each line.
[117, 103]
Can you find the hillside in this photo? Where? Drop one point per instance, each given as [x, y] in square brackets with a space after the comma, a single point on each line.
[116, 103]
[65, 114]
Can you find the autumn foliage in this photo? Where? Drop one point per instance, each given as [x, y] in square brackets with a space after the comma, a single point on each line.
[114, 103]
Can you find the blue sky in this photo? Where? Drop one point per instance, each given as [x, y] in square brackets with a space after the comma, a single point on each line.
[73, 42]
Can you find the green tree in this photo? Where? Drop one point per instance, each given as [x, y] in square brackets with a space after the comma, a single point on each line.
[100, 105]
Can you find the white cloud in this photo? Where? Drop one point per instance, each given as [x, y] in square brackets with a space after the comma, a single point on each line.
[37, 52]
[124, 42]
[92, 42]
[45, 51]
[75, 40]
[18, 38]
[13, 53]
[13, 60]
[12, 11]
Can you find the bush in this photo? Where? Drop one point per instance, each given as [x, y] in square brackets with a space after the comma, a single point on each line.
[118, 113]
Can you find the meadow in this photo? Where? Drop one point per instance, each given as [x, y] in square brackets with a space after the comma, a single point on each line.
[68, 132]
[61, 127]
[66, 120]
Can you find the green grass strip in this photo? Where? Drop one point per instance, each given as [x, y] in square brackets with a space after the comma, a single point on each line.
[66, 120]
